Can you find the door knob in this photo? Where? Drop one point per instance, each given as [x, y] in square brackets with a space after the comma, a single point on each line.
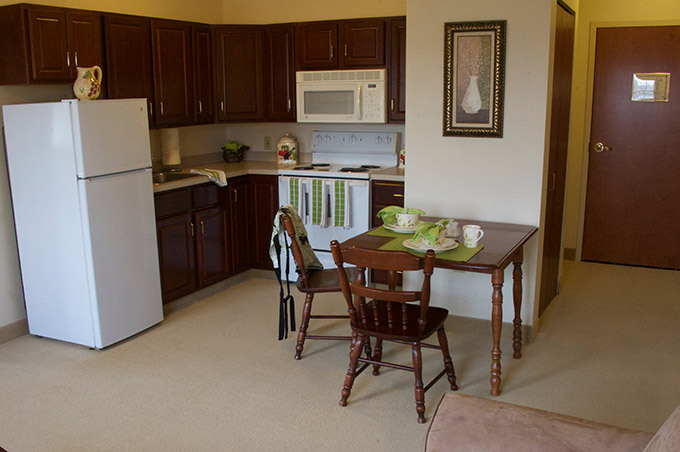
[599, 147]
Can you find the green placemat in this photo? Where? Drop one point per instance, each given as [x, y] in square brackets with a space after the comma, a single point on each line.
[459, 254]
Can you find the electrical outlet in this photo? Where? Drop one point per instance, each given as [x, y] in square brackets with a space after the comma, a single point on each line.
[267, 143]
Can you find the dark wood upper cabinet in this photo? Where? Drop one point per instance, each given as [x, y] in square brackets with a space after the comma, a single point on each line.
[280, 72]
[344, 44]
[173, 72]
[48, 44]
[397, 72]
[316, 45]
[84, 30]
[41, 44]
[239, 72]
[128, 59]
[363, 43]
[204, 105]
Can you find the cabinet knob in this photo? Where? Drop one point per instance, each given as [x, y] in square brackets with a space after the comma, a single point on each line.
[68, 59]
[331, 52]
[161, 102]
[150, 109]
[345, 49]
[200, 106]
[392, 104]
[290, 104]
[202, 228]
[75, 57]
[192, 230]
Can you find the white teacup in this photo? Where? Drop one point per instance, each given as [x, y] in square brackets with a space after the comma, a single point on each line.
[407, 220]
[453, 229]
[472, 233]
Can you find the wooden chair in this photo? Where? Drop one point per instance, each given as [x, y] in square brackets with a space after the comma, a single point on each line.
[389, 316]
[311, 282]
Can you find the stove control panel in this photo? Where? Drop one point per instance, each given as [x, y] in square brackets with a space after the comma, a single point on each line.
[355, 142]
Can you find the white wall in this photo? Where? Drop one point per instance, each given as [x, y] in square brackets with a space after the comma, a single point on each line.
[486, 178]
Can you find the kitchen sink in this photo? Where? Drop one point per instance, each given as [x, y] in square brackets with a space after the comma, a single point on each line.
[161, 178]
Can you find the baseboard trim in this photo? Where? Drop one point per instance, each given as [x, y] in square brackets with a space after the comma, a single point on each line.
[13, 331]
[570, 254]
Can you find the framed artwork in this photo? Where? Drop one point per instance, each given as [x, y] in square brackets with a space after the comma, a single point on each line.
[474, 77]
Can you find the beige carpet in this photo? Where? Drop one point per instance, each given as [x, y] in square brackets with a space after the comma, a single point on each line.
[213, 377]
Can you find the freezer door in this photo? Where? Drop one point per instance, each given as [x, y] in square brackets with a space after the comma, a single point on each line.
[110, 136]
[124, 276]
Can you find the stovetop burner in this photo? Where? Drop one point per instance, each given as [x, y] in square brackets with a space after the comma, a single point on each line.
[370, 166]
[320, 165]
[307, 167]
[354, 170]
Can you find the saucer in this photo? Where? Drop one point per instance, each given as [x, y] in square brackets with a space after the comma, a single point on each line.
[447, 244]
[400, 229]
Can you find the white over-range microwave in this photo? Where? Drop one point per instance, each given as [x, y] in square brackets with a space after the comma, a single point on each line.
[341, 96]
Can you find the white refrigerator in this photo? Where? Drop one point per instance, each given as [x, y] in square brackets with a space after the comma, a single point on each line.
[82, 194]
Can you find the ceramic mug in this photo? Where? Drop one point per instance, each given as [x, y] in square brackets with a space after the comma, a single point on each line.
[472, 233]
[452, 229]
[407, 220]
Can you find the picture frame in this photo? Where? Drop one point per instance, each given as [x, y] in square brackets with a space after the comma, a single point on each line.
[474, 78]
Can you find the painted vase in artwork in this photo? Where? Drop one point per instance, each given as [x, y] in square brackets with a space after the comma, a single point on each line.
[88, 83]
[472, 101]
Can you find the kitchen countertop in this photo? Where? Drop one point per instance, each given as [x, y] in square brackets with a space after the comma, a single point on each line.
[269, 168]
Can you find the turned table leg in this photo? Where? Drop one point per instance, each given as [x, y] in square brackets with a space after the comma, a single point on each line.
[496, 324]
[517, 300]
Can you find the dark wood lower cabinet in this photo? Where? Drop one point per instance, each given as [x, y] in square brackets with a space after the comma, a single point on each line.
[385, 193]
[264, 202]
[212, 248]
[241, 242]
[176, 256]
[207, 233]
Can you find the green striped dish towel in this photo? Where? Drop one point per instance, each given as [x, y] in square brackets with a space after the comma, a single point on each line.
[318, 207]
[296, 196]
[216, 176]
[341, 205]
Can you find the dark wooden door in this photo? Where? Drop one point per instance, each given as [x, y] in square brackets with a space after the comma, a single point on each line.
[176, 256]
[240, 224]
[173, 72]
[48, 44]
[204, 105]
[397, 70]
[211, 245]
[239, 72]
[557, 158]
[264, 202]
[385, 194]
[363, 43]
[316, 45]
[632, 212]
[280, 73]
[84, 30]
[128, 59]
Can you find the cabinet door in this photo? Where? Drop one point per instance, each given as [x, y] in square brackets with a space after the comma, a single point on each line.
[84, 32]
[176, 256]
[128, 59]
[316, 45]
[240, 224]
[48, 44]
[385, 194]
[204, 109]
[239, 74]
[211, 245]
[363, 43]
[397, 70]
[173, 69]
[264, 202]
[280, 73]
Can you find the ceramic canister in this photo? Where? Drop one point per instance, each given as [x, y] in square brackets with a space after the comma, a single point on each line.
[287, 149]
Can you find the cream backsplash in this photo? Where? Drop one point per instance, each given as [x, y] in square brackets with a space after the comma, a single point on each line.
[201, 144]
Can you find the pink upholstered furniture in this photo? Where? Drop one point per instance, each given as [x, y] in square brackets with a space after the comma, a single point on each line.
[466, 423]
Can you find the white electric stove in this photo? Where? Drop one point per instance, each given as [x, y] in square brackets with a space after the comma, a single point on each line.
[346, 156]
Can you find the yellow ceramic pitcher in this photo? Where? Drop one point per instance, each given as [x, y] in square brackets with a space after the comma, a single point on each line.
[88, 83]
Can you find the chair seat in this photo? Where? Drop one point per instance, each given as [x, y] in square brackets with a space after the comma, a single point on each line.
[326, 280]
[378, 325]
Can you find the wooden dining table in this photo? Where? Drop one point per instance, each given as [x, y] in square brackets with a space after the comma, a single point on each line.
[503, 244]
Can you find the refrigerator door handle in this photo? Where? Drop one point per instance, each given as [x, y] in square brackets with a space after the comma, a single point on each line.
[106, 176]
